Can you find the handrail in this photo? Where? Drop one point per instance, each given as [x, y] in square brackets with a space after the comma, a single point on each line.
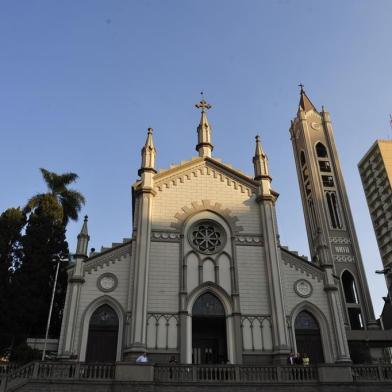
[235, 373]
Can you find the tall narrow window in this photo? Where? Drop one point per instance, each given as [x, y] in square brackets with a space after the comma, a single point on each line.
[312, 219]
[336, 210]
[330, 210]
[333, 209]
[303, 160]
[350, 292]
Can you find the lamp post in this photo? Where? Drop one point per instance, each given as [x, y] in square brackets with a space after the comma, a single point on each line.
[58, 260]
[387, 272]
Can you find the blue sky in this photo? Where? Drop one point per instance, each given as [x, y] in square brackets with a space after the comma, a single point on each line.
[81, 81]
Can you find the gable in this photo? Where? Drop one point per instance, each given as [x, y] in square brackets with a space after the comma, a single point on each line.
[205, 183]
[204, 166]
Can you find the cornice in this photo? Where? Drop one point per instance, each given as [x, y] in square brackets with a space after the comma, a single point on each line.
[301, 264]
[110, 256]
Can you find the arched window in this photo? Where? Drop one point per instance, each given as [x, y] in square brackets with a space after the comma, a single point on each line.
[321, 150]
[102, 335]
[208, 305]
[308, 338]
[350, 291]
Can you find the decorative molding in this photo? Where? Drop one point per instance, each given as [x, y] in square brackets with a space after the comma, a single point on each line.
[205, 205]
[249, 240]
[107, 282]
[343, 259]
[166, 316]
[165, 236]
[207, 241]
[303, 288]
[302, 265]
[252, 317]
[109, 257]
[339, 240]
[316, 126]
[153, 319]
[205, 167]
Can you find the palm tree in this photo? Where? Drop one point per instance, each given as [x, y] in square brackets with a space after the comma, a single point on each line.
[69, 201]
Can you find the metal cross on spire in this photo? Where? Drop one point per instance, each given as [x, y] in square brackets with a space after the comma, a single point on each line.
[302, 87]
[203, 105]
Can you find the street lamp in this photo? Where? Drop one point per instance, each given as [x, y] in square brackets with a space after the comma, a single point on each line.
[58, 260]
[387, 273]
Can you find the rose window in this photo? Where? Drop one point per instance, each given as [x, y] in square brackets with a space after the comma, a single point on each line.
[207, 237]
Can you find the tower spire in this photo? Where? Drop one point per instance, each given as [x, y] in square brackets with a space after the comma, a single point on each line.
[83, 239]
[260, 161]
[304, 102]
[204, 146]
[148, 154]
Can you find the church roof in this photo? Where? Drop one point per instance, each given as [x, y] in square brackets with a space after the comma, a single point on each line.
[304, 102]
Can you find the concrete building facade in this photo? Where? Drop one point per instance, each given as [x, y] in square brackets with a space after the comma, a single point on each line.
[375, 169]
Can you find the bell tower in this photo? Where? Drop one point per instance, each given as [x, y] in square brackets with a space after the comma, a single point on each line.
[331, 234]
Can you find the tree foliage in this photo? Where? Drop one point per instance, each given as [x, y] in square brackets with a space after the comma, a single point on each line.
[11, 223]
[30, 241]
[70, 200]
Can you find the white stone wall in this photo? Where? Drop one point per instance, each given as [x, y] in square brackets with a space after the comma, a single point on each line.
[205, 184]
[252, 280]
[164, 277]
[90, 292]
[292, 299]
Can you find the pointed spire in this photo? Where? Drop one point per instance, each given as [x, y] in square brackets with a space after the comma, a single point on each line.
[148, 154]
[305, 103]
[83, 239]
[260, 161]
[204, 146]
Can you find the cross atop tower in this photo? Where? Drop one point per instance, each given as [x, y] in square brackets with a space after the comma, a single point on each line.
[302, 87]
[203, 105]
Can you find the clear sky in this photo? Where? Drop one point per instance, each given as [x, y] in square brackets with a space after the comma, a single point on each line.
[81, 81]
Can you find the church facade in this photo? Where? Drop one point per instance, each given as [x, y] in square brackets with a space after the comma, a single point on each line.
[204, 277]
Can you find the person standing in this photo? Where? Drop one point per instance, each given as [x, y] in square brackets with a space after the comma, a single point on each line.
[142, 358]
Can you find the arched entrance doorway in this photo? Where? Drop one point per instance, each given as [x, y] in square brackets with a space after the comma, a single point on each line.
[209, 343]
[308, 338]
[102, 335]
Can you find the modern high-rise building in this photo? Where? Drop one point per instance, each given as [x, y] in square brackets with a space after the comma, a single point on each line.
[375, 169]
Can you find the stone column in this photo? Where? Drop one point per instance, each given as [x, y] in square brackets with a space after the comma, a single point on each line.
[272, 253]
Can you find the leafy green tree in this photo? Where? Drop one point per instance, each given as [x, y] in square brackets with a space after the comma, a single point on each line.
[12, 222]
[43, 242]
[70, 200]
[27, 270]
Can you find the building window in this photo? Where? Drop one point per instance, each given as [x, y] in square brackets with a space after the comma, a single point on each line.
[312, 217]
[321, 151]
[328, 181]
[325, 166]
[333, 209]
[350, 291]
[355, 317]
[207, 236]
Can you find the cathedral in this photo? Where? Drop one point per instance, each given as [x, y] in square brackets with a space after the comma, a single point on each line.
[204, 277]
